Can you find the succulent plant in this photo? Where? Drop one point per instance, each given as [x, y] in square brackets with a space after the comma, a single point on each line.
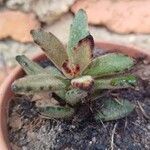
[76, 73]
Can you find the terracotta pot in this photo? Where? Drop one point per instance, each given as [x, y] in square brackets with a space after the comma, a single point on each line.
[6, 94]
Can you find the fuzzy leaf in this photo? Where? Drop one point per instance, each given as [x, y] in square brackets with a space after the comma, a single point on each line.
[82, 56]
[38, 83]
[74, 96]
[56, 112]
[29, 66]
[54, 72]
[51, 46]
[32, 68]
[116, 82]
[61, 93]
[108, 64]
[84, 82]
[78, 31]
[113, 110]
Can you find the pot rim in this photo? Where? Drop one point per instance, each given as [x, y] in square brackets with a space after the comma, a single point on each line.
[5, 90]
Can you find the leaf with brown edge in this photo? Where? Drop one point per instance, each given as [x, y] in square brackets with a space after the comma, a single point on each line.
[78, 31]
[82, 54]
[82, 57]
[84, 82]
[51, 45]
[67, 69]
[80, 46]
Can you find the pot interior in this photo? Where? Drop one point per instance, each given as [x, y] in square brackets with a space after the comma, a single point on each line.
[72, 131]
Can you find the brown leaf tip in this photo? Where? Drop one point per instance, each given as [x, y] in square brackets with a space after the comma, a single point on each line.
[85, 82]
[73, 71]
[66, 67]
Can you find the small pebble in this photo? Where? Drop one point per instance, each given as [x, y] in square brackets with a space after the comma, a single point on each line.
[94, 139]
[148, 126]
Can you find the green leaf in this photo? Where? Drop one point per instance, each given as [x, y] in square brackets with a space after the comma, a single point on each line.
[108, 64]
[53, 71]
[82, 56]
[116, 82]
[29, 66]
[78, 31]
[113, 110]
[61, 93]
[74, 96]
[51, 46]
[32, 68]
[84, 82]
[56, 112]
[38, 83]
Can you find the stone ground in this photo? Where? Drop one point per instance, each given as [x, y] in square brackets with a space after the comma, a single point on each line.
[15, 38]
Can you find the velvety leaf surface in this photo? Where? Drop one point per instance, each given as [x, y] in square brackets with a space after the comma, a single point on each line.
[38, 83]
[56, 112]
[61, 93]
[113, 110]
[29, 66]
[74, 96]
[82, 54]
[53, 71]
[32, 68]
[108, 64]
[84, 82]
[115, 82]
[78, 31]
[51, 46]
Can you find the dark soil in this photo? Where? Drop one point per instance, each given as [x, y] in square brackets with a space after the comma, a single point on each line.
[28, 131]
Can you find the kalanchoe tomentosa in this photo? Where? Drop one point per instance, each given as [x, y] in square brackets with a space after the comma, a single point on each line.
[76, 73]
